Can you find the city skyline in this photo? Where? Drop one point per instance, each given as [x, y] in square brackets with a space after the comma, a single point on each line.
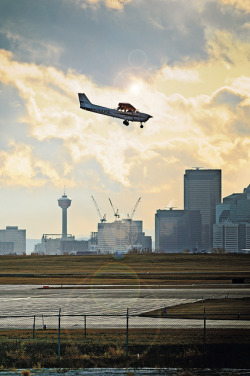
[186, 63]
[187, 234]
[64, 202]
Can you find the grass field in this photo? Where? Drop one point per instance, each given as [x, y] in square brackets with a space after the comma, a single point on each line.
[107, 348]
[138, 337]
[144, 269]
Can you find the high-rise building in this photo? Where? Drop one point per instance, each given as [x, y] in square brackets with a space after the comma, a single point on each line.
[202, 191]
[232, 227]
[64, 202]
[12, 240]
[177, 230]
[121, 236]
[235, 208]
[226, 236]
[232, 237]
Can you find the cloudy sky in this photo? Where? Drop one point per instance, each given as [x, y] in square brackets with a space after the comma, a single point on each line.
[187, 63]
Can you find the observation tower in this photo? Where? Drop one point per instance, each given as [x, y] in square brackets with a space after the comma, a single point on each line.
[64, 202]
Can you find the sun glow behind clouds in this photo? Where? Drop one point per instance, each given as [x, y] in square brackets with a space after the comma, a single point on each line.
[53, 113]
[136, 88]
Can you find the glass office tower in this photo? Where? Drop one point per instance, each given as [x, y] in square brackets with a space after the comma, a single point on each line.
[202, 191]
[177, 230]
[233, 222]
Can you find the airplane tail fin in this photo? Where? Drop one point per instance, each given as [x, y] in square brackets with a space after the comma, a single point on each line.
[83, 99]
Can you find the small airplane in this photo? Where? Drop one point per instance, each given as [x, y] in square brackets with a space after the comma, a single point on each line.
[124, 111]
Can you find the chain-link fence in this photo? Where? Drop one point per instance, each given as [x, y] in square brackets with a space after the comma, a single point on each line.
[101, 340]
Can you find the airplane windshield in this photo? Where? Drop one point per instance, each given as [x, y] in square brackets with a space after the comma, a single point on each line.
[126, 107]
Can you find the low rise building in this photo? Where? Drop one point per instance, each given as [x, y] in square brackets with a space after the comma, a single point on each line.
[51, 244]
[12, 241]
[55, 244]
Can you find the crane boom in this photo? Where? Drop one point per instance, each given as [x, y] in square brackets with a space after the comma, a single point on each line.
[116, 214]
[102, 218]
[130, 217]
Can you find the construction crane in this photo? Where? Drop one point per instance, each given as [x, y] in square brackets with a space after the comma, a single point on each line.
[130, 217]
[116, 214]
[102, 218]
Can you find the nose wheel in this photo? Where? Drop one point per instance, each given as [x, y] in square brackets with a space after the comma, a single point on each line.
[141, 126]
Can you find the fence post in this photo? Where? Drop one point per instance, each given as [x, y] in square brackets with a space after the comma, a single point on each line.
[59, 333]
[127, 335]
[34, 326]
[204, 344]
[85, 327]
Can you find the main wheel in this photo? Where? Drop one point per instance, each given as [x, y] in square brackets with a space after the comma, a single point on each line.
[126, 122]
[141, 126]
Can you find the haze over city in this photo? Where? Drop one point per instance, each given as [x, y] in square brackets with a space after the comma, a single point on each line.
[184, 62]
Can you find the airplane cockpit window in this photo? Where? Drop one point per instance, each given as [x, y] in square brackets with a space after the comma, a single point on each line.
[126, 107]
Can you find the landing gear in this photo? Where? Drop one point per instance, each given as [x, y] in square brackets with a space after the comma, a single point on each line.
[126, 122]
[141, 126]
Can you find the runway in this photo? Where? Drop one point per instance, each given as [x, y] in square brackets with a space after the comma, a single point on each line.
[30, 300]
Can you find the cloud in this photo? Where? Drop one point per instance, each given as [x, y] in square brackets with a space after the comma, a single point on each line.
[35, 49]
[225, 47]
[113, 4]
[20, 167]
[185, 130]
[238, 4]
[119, 4]
[53, 113]
[241, 83]
[227, 96]
[127, 40]
[180, 74]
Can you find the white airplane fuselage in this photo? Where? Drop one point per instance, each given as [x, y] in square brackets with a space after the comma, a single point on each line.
[127, 116]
